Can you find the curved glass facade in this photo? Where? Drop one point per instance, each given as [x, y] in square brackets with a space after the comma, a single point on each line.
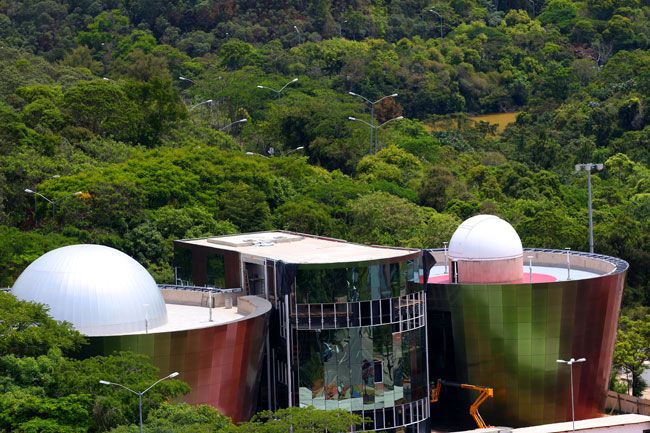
[369, 367]
[357, 281]
[359, 341]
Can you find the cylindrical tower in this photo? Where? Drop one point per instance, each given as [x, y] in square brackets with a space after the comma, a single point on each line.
[506, 325]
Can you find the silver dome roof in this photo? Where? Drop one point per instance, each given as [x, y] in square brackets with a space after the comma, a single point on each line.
[98, 289]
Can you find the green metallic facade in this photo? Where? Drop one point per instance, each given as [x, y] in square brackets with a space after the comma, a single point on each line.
[509, 337]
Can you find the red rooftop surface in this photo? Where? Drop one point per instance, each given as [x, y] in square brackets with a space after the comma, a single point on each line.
[537, 278]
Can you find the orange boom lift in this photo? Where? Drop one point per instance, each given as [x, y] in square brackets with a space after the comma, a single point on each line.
[484, 393]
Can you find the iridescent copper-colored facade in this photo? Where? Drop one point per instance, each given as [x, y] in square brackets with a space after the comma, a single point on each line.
[222, 363]
[510, 336]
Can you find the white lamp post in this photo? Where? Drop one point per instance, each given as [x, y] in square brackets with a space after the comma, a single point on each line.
[296, 149]
[372, 114]
[140, 394]
[375, 128]
[207, 101]
[186, 79]
[52, 202]
[278, 92]
[570, 363]
[588, 167]
[233, 123]
[439, 16]
[256, 154]
[299, 34]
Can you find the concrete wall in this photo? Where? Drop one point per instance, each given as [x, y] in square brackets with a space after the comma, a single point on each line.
[197, 299]
[623, 403]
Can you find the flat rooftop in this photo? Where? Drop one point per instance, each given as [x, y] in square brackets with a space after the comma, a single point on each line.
[184, 317]
[299, 248]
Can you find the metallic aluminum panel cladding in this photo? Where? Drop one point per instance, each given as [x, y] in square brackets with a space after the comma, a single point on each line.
[510, 336]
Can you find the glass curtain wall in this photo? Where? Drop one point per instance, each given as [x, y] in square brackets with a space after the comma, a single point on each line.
[362, 368]
[357, 282]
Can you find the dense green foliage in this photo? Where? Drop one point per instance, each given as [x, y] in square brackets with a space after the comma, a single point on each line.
[298, 420]
[632, 350]
[45, 391]
[180, 418]
[91, 102]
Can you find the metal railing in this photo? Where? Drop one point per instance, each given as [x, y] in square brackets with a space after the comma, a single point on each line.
[205, 289]
[404, 312]
[620, 264]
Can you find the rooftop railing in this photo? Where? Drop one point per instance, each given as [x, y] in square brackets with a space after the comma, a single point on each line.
[206, 289]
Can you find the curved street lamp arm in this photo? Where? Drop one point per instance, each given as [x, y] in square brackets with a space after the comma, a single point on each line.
[209, 101]
[44, 198]
[290, 82]
[362, 97]
[66, 196]
[233, 123]
[387, 96]
[388, 121]
[296, 149]
[363, 121]
[268, 88]
[103, 382]
[169, 376]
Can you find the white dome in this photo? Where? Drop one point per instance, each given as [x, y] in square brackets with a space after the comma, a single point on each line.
[485, 237]
[98, 289]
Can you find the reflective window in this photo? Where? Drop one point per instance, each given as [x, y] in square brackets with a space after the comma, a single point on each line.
[363, 368]
[318, 284]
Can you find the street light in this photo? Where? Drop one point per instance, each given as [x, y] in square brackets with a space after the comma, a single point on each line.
[52, 202]
[209, 101]
[376, 128]
[341, 28]
[187, 79]
[433, 11]
[570, 363]
[256, 154]
[588, 167]
[272, 152]
[295, 150]
[140, 394]
[278, 92]
[299, 34]
[372, 113]
[233, 123]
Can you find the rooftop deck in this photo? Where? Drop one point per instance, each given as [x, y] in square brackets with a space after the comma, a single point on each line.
[189, 310]
[299, 248]
[547, 266]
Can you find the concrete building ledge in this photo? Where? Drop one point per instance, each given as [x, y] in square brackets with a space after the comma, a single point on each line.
[629, 423]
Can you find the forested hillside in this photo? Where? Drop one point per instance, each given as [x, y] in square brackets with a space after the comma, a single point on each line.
[92, 103]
